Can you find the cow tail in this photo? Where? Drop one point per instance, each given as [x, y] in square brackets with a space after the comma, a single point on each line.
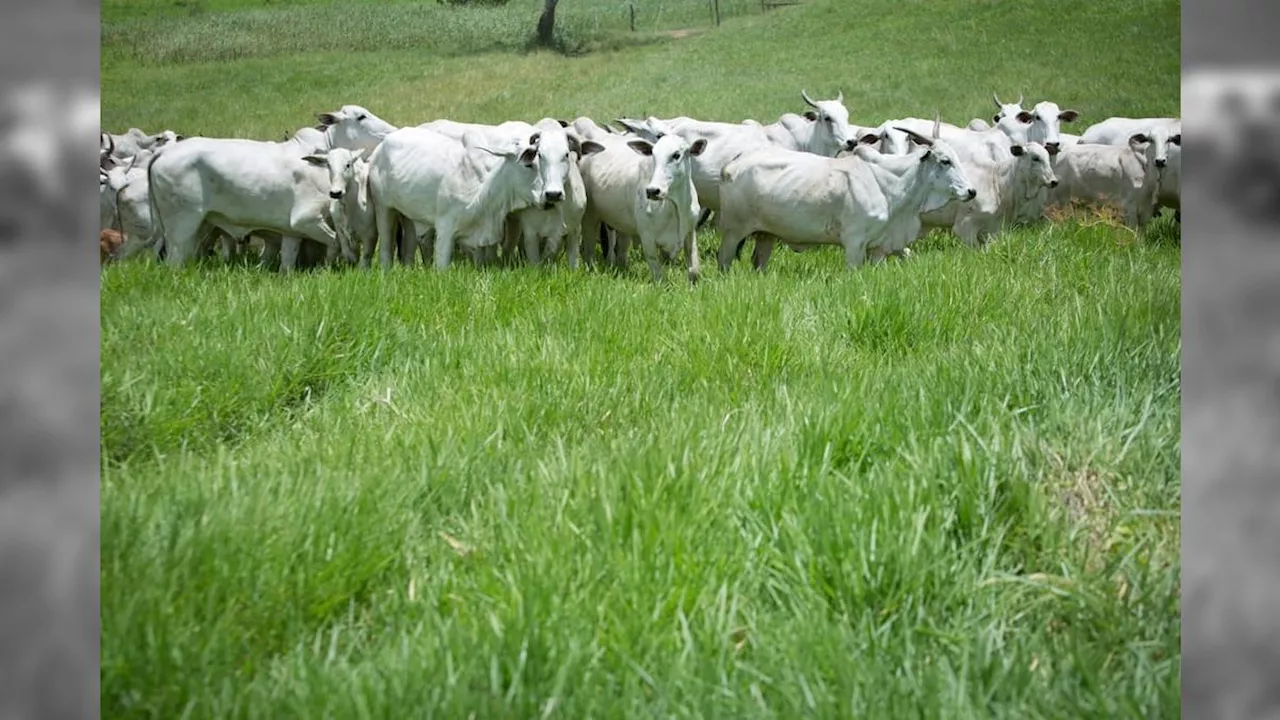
[157, 225]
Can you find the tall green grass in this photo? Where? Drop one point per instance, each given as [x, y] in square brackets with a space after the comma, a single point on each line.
[942, 487]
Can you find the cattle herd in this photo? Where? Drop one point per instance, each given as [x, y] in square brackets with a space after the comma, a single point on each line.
[522, 192]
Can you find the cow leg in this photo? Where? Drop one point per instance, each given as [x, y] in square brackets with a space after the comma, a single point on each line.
[228, 247]
[530, 240]
[650, 249]
[444, 245]
[386, 220]
[621, 250]
[408, 244]
[854, 254]
[703, 217]
[691, 251]
[181, 236]
[270, 252]
[289, 247]
[763, 250]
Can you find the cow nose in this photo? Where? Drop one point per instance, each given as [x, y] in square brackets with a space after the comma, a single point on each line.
[554, 196]
[1160, 162]
[972, 193]
[652, 193]
[1053, 183]
[335, 194]
[1053, 147]
[850, 144]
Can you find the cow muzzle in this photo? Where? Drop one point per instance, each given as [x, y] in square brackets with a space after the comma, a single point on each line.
[1053, 148]
[850, 144]
[335, 194]
[653, 193]
[551, 197]
[970, 194]
[1161, 162]
[1053, 183]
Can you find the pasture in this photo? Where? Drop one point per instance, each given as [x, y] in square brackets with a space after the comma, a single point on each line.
[946, 486]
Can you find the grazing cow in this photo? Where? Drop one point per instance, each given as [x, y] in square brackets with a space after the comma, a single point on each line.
[559, 214]
[867, 203]
[645, 189]
[460, 190]
[109, 243]
[1125, 176]
[237, 186]
[824, 130]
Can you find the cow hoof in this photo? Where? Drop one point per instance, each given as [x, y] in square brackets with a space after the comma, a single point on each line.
[694, 276]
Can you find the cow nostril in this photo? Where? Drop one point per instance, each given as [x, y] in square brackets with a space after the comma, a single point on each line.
[850, 144]
[554, 196]
[652, 193]
[335, 194]
[1160, 163]
[1053, 183]
[972, 193]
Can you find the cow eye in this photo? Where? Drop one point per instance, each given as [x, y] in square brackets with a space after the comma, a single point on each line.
[675, 157]
[945, 161]
[362, 116]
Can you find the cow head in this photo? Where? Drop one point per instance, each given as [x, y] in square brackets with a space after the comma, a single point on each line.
[107, 146]
[831, 132]
[1045, 119]
[672, 163]
[1006, 109]
[557, 148]
[1034, 163]
[341, 164]
[946, 180]
[353, 127]
[1144, 148]
[1161, 136]
[521, 152]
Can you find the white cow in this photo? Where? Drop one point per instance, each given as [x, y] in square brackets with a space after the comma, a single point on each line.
[1045, 120]
[463, 191]
[725, 140]
[824, 130]
[1169, 192]
[1013, 184]
[349, 206]
[1164, 133]
[134, 141]
[645, 189]
[1124, 176]
[238, 186]
[868, 203]
[559, 214]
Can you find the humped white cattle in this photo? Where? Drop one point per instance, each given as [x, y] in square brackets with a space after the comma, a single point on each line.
[1110, 174]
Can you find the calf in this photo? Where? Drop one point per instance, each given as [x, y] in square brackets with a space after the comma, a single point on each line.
[109, 244]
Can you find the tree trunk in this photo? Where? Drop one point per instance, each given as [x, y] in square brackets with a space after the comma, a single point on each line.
[547, 23]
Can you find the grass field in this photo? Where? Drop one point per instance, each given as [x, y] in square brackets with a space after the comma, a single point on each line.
[946, 487]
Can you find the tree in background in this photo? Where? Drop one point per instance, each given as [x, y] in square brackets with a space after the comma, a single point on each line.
[547, 24]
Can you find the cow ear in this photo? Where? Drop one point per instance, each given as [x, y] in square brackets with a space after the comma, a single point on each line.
[534, 138]
[327, 118]
[317, 160]
[590, 147]
[698, 146]
[529, 155]
[1068, 115]
[1017, 150]
[869, 139]
[644, 147]
[563, 123]
[1138, 139]
[1025, 117]
[1176, 139]
[575, 146]
[811, 115]
[927, 154]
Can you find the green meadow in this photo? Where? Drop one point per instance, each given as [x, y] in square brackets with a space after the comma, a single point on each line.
[942, 487]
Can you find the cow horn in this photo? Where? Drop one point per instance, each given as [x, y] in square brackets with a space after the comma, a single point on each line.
[111, 143]
[920, 139]
[937, 124]
[997, 99]
[808, 99]
[840, 97]
[1020, 99]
